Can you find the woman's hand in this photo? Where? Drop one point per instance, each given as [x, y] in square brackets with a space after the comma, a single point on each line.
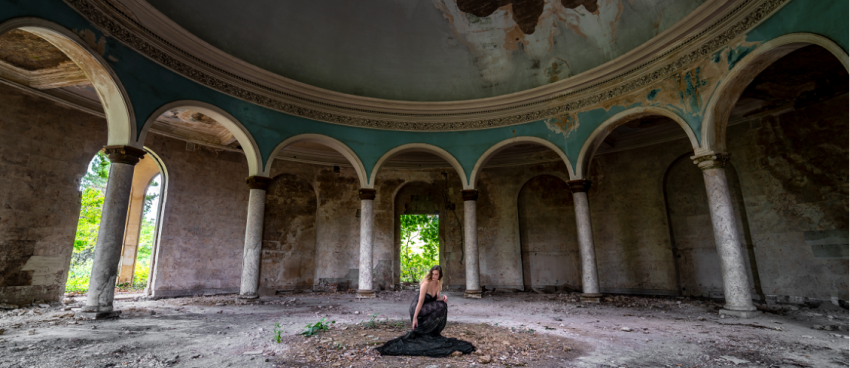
[415, 323]
[445, 298]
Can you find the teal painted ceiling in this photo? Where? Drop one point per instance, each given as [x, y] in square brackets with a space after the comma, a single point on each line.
[422, 50]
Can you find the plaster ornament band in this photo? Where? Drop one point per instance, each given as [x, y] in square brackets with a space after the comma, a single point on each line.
[124, 154]
[367, 194]
[258, 182]
[538, 104]
[712, 161]
[579, 186]
[469, 195]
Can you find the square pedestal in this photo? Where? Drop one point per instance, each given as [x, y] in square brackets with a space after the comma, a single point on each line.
[366, 294]
[591, 298]
[97, 315]
[472, 294]
[740, 314]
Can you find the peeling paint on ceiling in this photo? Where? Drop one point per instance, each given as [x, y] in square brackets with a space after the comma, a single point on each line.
[427, 51]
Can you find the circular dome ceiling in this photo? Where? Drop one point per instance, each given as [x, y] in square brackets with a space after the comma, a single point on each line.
[426, 50]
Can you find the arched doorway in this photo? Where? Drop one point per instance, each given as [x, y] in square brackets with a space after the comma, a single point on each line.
[417, 213]
[547, 236]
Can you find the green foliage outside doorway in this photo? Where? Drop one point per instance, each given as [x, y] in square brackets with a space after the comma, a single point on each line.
[420, 245]
[93, 189]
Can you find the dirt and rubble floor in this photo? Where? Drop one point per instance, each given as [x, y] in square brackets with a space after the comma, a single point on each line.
[509, 329]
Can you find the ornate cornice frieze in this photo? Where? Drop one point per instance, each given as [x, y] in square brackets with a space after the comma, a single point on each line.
[663, 57]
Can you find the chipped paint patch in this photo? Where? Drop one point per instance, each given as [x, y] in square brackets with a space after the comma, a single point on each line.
[564, 124]
[651, 95]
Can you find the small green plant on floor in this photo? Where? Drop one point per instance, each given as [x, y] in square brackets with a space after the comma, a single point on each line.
[314, 328]
[277, 331]
[371, 323]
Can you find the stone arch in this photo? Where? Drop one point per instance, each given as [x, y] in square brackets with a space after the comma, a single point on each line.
[592, 143]
[160, 218]
[731, 87]
[498, 147]
[249, 145]
[340, 147]
[421, 147]
[431, 200]
[546, 251]
[120, 120]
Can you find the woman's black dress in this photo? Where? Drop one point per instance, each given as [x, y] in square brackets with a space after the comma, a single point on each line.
[426, 340]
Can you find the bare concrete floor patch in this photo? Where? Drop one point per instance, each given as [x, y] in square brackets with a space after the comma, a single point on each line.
[541, 330]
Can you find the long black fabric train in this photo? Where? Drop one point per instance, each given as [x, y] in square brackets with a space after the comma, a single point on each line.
[426, 340]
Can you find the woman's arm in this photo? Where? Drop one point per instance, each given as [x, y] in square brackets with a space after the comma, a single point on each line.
[422, 289]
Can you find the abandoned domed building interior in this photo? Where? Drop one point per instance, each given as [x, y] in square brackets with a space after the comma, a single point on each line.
[604, 183]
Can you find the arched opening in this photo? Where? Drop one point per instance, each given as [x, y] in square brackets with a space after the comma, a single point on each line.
[317, 148]
[140, 235]
[785, 127]
[68, 69]
[288, 260]
[419, 235]
[626, 159]
[500, 175]
[691, 233]
[548, 244]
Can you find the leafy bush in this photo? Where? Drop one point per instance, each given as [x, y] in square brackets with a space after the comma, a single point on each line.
[420, 245]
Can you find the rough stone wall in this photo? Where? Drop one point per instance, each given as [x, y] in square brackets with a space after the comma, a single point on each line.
[45, 150]
[630, 228]
[500, 260]
[202, 231]
[289, 235]
[337, 225]
[550, 252]
[793, 170]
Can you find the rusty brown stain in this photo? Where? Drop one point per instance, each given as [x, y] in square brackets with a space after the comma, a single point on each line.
[525, 13]
[590, 5]
[29, 52]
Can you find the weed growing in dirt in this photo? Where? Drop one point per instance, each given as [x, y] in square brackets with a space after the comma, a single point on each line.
[277, 332]
[314, 328]
[372, 323]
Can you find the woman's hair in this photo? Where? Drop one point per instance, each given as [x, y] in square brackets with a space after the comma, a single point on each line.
[427, 276]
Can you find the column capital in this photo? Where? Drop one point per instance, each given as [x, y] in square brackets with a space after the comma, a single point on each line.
[711, 161]
[469, 194]
[258, 182]
[124, 154]
[579, 186]
[366, 193]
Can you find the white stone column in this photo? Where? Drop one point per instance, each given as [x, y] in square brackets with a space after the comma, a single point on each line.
[250, 285]
[589, 275]
[736, 285]
[470, 237]
[110, 234]
[367, 224]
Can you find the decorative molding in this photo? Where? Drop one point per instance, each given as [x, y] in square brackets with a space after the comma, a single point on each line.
[469, 195]
[124, 154]
[579, 186]
[711, 161]
[723, 21]
[258, 182]
[367, 194]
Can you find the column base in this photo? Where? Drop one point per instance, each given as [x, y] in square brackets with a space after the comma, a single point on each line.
[741, 313]
[93, 314]
[248, 296]
[366, 294]
[472, 294]
[591, 298]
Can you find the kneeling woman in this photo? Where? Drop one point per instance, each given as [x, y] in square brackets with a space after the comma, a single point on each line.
[428, 314]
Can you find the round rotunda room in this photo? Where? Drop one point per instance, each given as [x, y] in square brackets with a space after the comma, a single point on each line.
[424, 183]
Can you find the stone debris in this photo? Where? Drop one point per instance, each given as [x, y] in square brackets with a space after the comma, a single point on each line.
[626, 329]
[734, 359]
[484, 359]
